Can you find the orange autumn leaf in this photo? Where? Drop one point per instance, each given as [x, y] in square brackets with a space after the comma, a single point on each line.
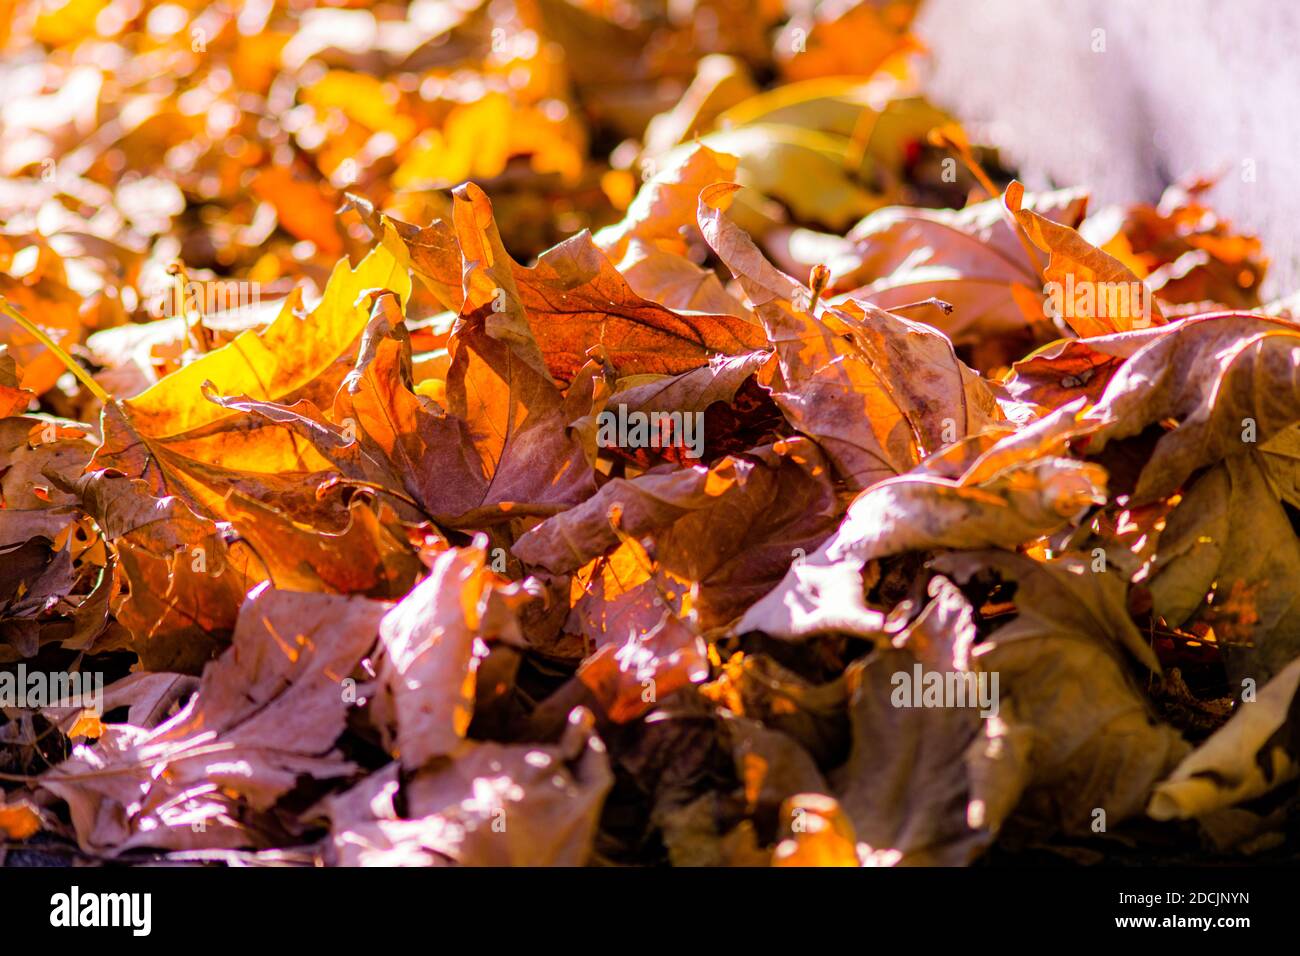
[303, 207]
[19, 821]
[1092, 291]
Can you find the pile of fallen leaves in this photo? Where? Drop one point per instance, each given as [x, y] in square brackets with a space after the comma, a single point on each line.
[363, 580]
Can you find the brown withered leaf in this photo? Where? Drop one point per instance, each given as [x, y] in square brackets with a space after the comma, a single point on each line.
[14, 399]
[969, 258]
[1227, 382]
[432, 252]
[925, 785]
[686, 416]
[38, 457]
[1063, 371]
[771, 765]
[500, 441]
[428, 660]
[1282, 461]
[184, 581]
[369, 554]
[1229, 558]
[149, 697]
[824, 591]
[853, 377]
[686, 383]
[310, 539]
[813, 714]
[491, 805]
[266, 713]
[675, 281]
[56, 577]
[1067, 691]
[770, 768]
[725, 533]
[630, 677]
[1191, 256]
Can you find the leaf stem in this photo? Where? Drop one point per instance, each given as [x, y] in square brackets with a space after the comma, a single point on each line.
[40, 335]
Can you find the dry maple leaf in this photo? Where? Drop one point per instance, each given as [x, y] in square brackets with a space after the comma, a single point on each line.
[501, 440]
[266, 713]
[726, 533]
[572, 300]
[848, 375]
[1102, 748]
[1228, 381]
[492, 805]
[959, 779]
[823, 592]
[428, 659]
[969, 258]
[1227, 558]
[1094, 292]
